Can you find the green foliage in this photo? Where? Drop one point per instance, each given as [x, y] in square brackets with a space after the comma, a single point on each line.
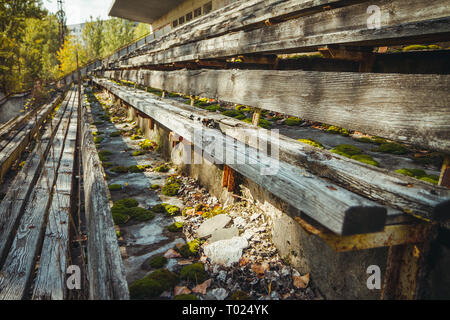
[419, 174]
[153, 285]
[92, 35]
[158, 262]
[194, 273]
[312, 143]
[116, 33]
[293, 121]
[175, 227]
[135, 137]
[186, 297]
[115, 187]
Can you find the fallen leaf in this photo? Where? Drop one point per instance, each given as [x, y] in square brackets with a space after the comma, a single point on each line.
[331, 188]
[201, 288]
[244, 261]
[181, 290]
[301, 282]
[260, 269]
[171, 254]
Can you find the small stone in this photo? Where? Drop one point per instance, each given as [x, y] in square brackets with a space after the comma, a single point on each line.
[166, 294]
[224, 234]
[239, 222]
[255, 216]
[219, 293]
[171, 254]
[210, 225]
[285, 272]
[201, 288]
[248, 234]
[226, 252]
[181, 290]
[222, 276]
[275, 295]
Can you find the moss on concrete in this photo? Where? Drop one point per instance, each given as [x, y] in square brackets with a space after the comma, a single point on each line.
[419, 174]
[115, 187]
[175, 227]
[312, 143]
[153, 285]
[293, 121]
[119, 169]
[392, 148]
[194, 273]
[158, 262]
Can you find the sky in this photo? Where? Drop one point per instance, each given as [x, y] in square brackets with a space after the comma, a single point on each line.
[78, 11]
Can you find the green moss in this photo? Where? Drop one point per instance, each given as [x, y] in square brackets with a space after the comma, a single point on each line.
[392, 148]
[119, 169]
[186, 297]
[415, 47]
[97, 133]
[365, 158]
[183, 213]
[140, 214]
[118, 234]
[155, 186]
[194, 273]
[207, 214]
[172, 210]
[119, 218]
[115, 187]
[346, 150]
[153, 285]
[434, 158]
[162, 168]
[170, 189]
[158, 262]
[215, 107]
[190, 249]
[374, 140]
[147, 144]
[263, 123]
[337, 130]
[138, 168]
[419, 174]
[138, 153]
[239, 295]
[175, 227]
[104, 155]
[127, 202]
[136, 137]
[293, 121]
[233, 113]
[312, 143]
[115, 134]
[159, 208]
[434, 47]
[98, 139]
[107, 164]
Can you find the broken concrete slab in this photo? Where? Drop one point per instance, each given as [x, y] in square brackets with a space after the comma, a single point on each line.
[226, 252]
[224, 234]
[210, 225]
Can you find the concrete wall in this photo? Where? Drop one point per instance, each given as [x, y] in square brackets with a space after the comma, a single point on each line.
[186, 7]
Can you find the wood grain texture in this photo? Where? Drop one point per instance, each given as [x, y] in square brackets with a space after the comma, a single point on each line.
[405, 108]
[339, 210]
[402, 21]
[50, 280]
[106, 272]
[19, 265]
[17, 196]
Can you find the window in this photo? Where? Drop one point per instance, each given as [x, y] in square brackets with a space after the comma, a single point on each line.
[207, 8]
[197, 12]
[189, 17]
[181, 20]
[175, 23]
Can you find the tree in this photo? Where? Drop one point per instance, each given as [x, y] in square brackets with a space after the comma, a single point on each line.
[141, 30]
[116, 33]
[67, 55]
[92, 34]
[13, 15]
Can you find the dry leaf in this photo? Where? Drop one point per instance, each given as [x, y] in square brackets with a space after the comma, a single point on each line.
[244, 261]
[301, 282]
[201, 288]
[171, 254]
[181, 290]
[260, 269]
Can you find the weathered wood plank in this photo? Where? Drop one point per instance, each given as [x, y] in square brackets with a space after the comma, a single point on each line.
[12, 206]
[17, 270]
[106, 272]
[339, 210]
[406, 194]
[50, 280]
[402, 21]
[405, 108]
